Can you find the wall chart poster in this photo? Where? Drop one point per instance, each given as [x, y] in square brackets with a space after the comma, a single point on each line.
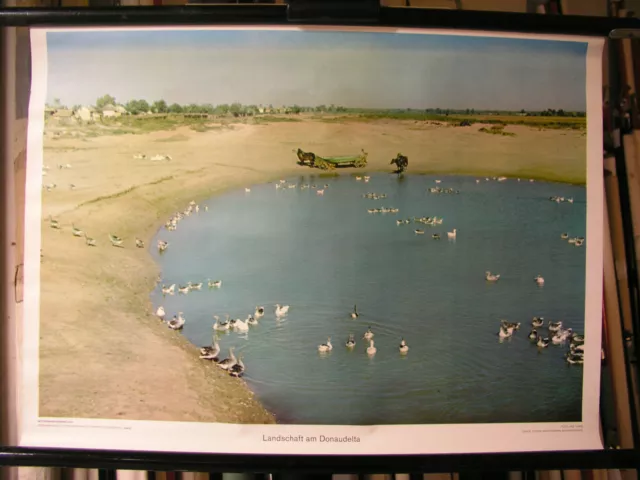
[313, 241]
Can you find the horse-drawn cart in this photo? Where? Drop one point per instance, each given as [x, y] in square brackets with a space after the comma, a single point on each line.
[330, 163]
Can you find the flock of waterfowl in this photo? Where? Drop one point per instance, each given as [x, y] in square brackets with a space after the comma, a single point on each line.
[557, 335]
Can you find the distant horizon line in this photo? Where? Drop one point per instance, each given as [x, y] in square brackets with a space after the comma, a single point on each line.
[343, 108]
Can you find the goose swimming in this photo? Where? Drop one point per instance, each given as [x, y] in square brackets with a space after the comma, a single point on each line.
[575, 359]
[214, 284]
[281, 311]
[436, 236]
[418, 232]
[212, 352]
[195, 286]
[251, 320]
[351, 342]
[169, 290]
[575, 338]
[537, 322]
[452, 234]
[160, 313]
[564, 236]
[237, 370]
[539, 280]
[241, 326]
[371, 350]
[228, 362]
[183, 288]
[404, 348]
[220, 327]
[491, 277]
[368, 335]
[259, 312]
[162, 245]
[115, 240]
[355, 313]
[504, 332]
[533, 335]
[139, 243]
[542, 342]
[176, 323]
[325, 347]
[555, 326]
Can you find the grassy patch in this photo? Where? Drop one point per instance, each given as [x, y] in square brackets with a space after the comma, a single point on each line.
[273, 119]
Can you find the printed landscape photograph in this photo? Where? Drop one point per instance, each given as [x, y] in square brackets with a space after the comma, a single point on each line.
[313, 228]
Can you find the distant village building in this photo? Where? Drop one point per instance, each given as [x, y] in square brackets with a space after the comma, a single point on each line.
[63, 113]
[85, 114]
[109, 111]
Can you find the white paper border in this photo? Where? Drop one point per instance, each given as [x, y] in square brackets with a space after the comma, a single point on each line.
[248, 439]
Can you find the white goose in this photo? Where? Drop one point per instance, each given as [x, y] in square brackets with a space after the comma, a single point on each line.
[251, 320]
[281, 311]
[220, 327]
[371, 350]
[241, 326]
[229, 362]
[212, 352]
[259, 313]
[176, 323]
[404, 348]
[169, 290]
[539, 280]
[238, 369]
[504, 332]
[368, 335]
[326, 347]
[453, 233]
[160, 313]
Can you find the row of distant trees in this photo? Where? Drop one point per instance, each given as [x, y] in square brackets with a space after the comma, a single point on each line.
[135, 107]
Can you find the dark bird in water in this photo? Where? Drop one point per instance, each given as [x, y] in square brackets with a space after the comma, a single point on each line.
[355, 313]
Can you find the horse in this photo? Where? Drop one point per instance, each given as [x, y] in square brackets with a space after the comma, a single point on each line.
[305, 157]
[402, 162]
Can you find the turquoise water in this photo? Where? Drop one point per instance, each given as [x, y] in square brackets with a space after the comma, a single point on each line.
[323, 254]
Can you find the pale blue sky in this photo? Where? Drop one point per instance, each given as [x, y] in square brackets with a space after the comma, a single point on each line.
[353, 69]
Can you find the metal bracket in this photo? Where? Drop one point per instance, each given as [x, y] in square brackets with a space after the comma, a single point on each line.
[334, 11]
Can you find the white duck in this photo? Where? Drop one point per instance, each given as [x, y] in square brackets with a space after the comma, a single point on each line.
[404, 348]
[160, 313]
[326, 347]
[453, 233]
[281, 311]
[259, 313]
[539, 280]
[371, 349]
[169, 290]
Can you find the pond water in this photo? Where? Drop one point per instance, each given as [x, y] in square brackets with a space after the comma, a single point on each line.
[321, 254]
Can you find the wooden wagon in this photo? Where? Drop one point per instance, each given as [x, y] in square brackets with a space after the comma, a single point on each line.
[330, 163]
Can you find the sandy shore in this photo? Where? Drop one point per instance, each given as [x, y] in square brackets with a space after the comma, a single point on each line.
[102, 352]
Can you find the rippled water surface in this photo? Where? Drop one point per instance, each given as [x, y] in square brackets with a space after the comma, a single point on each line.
[323, 254]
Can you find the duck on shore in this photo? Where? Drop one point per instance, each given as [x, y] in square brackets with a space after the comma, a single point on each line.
[160, 313]
[177, 322]
[237, 370]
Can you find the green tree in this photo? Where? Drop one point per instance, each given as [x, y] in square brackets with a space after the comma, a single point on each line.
[137, 106]
[105, 100]
[175, 108]
[159, 106]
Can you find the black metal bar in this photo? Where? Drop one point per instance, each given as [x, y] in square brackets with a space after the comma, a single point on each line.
[599, 459]
[277, 15]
